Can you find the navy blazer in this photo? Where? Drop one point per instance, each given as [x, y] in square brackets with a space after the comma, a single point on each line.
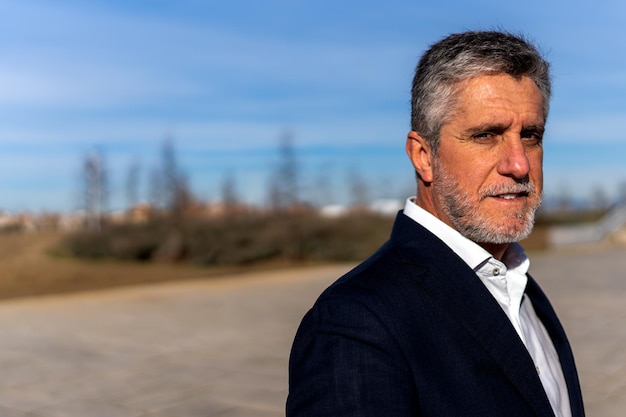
[413, 332]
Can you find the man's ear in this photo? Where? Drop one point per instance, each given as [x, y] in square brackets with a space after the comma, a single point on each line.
[420, 155]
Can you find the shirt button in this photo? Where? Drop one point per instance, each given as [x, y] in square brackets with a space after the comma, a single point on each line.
[496, 271]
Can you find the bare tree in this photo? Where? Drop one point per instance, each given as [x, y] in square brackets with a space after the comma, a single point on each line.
[155, 193]
[176, 192]
[230, 198]
[132, 184]
[169, 172]
[323, 186]
[95, 187]
[599, 198]
[283, 187]
[358, 188]
[564, 198]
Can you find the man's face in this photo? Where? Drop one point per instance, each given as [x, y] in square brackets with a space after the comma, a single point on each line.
[488, 175]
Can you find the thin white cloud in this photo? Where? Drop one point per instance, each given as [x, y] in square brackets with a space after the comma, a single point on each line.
[83, 58]
[211, 135]
[84, 88]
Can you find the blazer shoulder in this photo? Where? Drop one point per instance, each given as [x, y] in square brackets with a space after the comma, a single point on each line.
[394, 273]
[382, 272]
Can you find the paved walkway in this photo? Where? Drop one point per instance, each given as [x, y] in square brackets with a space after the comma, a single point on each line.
[220, 347]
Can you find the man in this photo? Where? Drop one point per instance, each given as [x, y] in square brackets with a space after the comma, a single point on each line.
[443, 320]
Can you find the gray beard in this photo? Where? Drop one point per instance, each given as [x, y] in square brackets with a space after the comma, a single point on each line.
[462, 211]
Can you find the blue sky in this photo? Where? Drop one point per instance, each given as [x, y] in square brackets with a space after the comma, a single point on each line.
[225, 79]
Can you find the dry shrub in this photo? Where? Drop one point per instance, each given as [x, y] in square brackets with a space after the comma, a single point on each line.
[237, 240]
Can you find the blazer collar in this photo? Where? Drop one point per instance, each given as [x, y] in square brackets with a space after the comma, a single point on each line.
[456, 286]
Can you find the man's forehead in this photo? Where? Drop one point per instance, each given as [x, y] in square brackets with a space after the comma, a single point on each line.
[499, 90]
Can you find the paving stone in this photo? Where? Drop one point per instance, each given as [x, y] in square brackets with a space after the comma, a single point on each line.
[9, 412]
[83, 408]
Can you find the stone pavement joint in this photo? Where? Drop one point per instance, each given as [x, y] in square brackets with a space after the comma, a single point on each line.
[220, 347]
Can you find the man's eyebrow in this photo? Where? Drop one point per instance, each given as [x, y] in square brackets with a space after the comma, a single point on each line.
[501, 127]
[534, 128]
[486, 127]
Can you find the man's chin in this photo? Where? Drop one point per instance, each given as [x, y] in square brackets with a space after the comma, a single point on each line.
[512, 234]
[496, 233]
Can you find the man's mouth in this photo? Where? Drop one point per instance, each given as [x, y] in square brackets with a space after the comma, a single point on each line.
[511, 196]
[508, 191]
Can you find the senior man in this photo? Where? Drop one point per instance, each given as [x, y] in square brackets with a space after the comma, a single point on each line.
[444, 319]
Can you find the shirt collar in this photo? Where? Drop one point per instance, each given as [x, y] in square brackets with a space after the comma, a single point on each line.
[470, 252]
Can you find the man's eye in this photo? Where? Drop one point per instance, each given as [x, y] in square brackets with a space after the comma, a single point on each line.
[531, 138]
[483, 137]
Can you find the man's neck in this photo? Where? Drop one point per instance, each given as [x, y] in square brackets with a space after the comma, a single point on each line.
[496, 249]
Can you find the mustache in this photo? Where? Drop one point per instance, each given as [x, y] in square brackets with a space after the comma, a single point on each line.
[525, 187]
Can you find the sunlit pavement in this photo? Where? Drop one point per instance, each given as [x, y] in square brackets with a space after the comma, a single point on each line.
[220, 347]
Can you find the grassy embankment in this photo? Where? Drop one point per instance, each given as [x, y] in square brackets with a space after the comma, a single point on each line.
[51, 262]
[45, 263]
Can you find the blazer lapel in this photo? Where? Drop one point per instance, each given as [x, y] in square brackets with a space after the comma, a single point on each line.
[457, 287]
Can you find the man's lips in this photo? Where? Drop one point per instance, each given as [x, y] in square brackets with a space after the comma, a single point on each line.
[510, 196]
[507, 192]
[507, 196]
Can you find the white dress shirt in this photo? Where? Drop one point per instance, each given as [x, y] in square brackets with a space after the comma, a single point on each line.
[506, 281]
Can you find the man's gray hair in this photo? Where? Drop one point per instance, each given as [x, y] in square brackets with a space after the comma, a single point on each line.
[460, 57]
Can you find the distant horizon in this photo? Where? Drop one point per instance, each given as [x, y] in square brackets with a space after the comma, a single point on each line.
[324, 173]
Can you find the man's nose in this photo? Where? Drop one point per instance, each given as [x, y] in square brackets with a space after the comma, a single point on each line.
[514, 160]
